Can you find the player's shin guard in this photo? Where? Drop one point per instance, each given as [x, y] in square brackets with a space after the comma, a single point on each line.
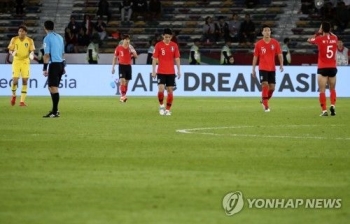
[270, 94]
[24, 93]
[169, 101]
[123, 90]
[333, 96]
[14, 89]
[264, 96]
[161, 97]
[323, 103]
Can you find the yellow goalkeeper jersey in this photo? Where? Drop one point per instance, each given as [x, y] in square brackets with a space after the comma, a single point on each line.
[22, 47]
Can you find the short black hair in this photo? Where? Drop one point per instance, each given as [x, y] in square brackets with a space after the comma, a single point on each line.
[265, 26]
[125, 36]
[326, 27]
[196, 40]
[23, 27]
[286, 40]
[167, 31]
[49, 25]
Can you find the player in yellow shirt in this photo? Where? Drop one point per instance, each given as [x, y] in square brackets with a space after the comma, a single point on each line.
[22, 49]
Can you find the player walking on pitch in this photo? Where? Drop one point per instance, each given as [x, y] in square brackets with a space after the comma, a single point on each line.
[124, 53]
[22, 49]
[266, 50]
[165, 52]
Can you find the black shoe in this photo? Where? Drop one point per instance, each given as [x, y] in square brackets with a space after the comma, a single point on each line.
[51, 115]
[332, 110]
[324, 114]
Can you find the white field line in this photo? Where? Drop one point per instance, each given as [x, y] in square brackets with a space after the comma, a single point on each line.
[199, 131]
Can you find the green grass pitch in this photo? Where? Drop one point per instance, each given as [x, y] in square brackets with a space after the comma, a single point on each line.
[107, 162]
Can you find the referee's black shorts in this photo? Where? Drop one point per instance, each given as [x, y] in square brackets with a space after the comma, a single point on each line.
[55, 74]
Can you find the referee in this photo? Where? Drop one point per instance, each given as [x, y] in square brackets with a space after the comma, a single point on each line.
[53, 65]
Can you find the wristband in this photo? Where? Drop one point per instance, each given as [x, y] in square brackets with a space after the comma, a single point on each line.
[45, 67]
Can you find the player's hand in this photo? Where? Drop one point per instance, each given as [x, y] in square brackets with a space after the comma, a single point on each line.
[45, 73]
[178, 75]
[281, 68]
[113, 70]
[14, 53]
[31, 55]
[154, 75]
[253, 73]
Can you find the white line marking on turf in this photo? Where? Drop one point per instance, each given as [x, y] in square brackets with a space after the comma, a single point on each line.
[198, 131]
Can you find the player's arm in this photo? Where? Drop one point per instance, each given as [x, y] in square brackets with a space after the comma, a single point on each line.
[255, 60]
[32, 49]
[280, 58]
[11, 47]
[154, 64]
[114, 62]
[177, 62]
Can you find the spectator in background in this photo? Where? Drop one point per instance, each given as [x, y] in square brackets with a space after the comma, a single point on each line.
[233, 28]
[226, 53]
[221, 29]
[19, 7]
[174, 37]
[286, 52]
[83, 41]
[87, 25]
[341, 17]
[231, 60]
[251, 3]
[307, 7]
[342, 54]
[40, 54]
[126, 7]
[150, 51]
[155, 8]
[5, 6]
[73, 25]
[95, 37]
[100, 27]
[70, 40]
[247, 31]
[195, 55]
[328, 12]
[103, 9]
[140, 8]
[92, 52]
[208, 30]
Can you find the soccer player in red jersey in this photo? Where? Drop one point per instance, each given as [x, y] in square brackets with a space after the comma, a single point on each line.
[265, 50]
[124, 53]
[326, 65]
[165, 52]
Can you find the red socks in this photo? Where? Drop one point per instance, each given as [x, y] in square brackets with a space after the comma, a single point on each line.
[333, 96]
[169, 101]
[322, 99]
[123, 90]
[161, 97]
[270, 94]
[265, 96]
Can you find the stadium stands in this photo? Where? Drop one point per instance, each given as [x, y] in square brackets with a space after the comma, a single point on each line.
[9, 27]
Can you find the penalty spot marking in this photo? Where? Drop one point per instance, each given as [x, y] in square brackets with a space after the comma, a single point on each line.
[210, 131]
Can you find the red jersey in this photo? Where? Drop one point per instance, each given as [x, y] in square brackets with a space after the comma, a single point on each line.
[266, 52]
[123, 54]
[166, 53]
[327, 48]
